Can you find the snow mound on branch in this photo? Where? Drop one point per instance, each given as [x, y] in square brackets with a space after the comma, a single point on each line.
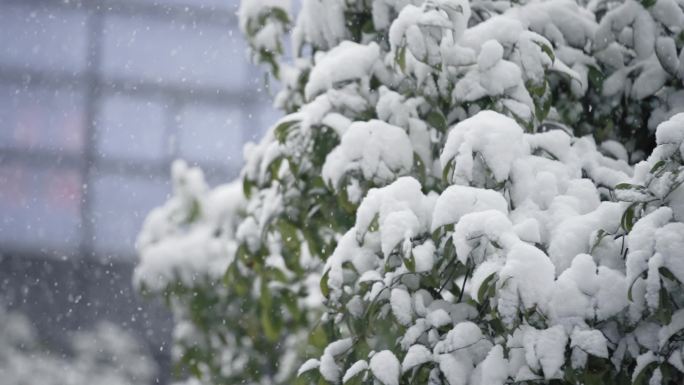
[456, 201]
[266, 36]
[497, 138]
[348, 61]
[378, 150]
[179, 240]
[416, 355]
[385, 367]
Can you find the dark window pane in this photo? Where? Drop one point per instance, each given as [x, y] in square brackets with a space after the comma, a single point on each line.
[41, 119]
[131, 128]
[259, 121]
[229, 5]
[176, 52]
[40, 207]
[46, 39]
[211, 134]
[121, 203]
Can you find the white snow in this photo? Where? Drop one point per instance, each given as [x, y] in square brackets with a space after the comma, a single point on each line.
[356, 368]
[328, 368]
[463, 335]
[479, 228]
[642, 361]
[320, 22]
[675, 326]
[400, 300]
[385, 367]
[482, 272]
[171, 249]
[310, 364]
[497, 138]
[490, 53]
[531, 272]
[423, 255]
[456, 201]
[590, 341]
[347, 61]
[438, 318]
[494, 368]
[268, 35]
[416, 355]
[379, 150]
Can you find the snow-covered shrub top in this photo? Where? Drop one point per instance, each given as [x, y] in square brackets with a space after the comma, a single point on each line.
[453, 187]
[189, 251]
[526, 280]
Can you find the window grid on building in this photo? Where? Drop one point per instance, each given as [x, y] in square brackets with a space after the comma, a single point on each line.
[97, 98]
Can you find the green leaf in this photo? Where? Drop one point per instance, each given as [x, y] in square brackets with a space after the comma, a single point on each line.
[659, 164]
[599, 237]
[624, 186]
[497, 325]
[269, 328]
[274, 167]
[312, 240]
[368, 27]
[482, 291]
[290, 300]
[247, 187]
[669, 373]
[357, 379]
[596, 78]
[401, 58]
[629, 291]
[419, 167]
[640, 379]
[265, 299]
[665, 272]
[537, 91]
[543, 111]
[375, 224]
[283, 129]
[348, 265]
[275, 274]
[324, 285]
[648, 3]
[628, 219]
[446, 173]
[344, 201]
[195, 211]
[664, 311]
[595, 369]
[292, 245]
[324, 142]
[280, 15]
[410, 262]
[267, 315]
[569, 375]
[547, 50]
[437, 120]
[318, 338]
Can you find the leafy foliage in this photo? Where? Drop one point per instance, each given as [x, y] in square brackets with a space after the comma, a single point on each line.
[430, 209]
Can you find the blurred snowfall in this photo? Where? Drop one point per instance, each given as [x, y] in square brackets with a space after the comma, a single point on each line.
[96, 99]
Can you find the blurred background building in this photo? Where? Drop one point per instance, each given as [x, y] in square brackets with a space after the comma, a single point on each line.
[97, 97]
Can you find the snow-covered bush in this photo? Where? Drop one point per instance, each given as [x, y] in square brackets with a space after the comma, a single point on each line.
[452, 197]
[107, 355]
